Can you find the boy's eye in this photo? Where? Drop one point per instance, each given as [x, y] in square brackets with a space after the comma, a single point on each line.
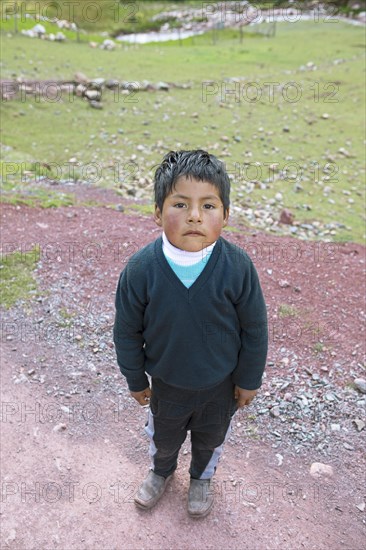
[183, 205]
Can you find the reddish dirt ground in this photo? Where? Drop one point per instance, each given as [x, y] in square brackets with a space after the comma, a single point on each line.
[68, 476]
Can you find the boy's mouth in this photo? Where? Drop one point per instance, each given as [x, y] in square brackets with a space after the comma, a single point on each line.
[198, 233]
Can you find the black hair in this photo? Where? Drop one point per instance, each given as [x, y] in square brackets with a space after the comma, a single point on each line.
[197, 164]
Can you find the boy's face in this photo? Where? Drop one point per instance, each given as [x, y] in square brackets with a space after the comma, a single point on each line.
[193, 214]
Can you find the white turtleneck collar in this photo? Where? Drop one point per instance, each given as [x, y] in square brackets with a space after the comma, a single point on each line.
[184, 257]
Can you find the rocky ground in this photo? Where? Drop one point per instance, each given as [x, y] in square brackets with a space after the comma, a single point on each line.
[73, 447]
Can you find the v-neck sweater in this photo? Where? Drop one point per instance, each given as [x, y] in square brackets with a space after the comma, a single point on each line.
[191, 338]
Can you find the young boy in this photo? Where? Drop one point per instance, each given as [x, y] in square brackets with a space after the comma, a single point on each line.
[190, 312]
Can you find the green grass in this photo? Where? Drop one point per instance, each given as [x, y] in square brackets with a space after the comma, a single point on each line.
[16, 277]
[318, 347]
[287, 310]
[28, 194]
[161, 121]
[144, 209]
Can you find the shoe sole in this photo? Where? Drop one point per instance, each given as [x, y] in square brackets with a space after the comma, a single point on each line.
[202, 514]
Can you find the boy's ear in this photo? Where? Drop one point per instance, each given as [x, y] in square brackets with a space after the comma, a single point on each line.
[226, 217]
[157, 216]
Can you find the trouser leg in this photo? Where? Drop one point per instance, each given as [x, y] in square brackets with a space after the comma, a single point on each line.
[169, 414]
[165, 443]
[206, 453]
[207, 413]
[210, 427]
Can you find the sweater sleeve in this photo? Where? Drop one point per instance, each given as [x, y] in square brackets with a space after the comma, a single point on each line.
[128, 331]
[252, 314]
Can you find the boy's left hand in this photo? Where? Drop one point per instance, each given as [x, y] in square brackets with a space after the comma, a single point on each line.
[244, 397]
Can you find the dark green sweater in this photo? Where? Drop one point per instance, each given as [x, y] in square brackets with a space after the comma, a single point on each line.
[193, 337]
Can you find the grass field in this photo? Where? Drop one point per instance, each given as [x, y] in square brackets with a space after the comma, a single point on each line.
[312, 126]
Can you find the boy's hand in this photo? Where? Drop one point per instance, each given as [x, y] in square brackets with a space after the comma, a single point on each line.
[244, 397]
[142, 397]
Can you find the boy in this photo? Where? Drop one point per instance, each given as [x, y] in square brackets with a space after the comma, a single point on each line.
[190, 312]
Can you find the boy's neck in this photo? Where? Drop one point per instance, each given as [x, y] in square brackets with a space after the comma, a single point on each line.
[174, 253]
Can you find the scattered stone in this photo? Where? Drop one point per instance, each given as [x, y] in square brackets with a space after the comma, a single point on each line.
[39, 29]
[11, 536]
[286, 217]
[108, 45]
[96, 83]
[80, 90]
[80, 78]
[280, 459]
[344, 152]
[283, 283]
[348, 446]
[329, 396]
[361, 506]
[335, 427]
[111, 84]
[60, 37]
[275, 411]
[93, 95]
[95, 104]
[318, 469]
[59, 428]
[360, 384]
[20, 379]
[325, 115]
[360, 424]
[162, 86]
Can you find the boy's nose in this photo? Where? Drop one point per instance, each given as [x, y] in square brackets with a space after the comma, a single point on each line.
[194, 214]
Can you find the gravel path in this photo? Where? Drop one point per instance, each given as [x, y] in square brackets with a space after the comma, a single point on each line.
[73, 448]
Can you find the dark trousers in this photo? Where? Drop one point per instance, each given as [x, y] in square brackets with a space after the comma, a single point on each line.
[206, 413]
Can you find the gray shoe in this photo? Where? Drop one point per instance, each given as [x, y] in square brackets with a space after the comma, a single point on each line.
[200, 498]
[150, 490]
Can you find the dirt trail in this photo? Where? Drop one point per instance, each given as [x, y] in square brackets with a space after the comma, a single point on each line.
[68, 492]
[72, 444]
[62, 491]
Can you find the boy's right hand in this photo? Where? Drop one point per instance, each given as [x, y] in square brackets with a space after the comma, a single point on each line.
[142, 397]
